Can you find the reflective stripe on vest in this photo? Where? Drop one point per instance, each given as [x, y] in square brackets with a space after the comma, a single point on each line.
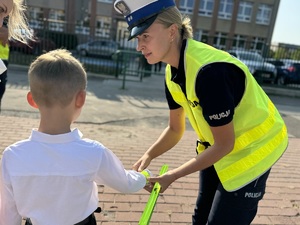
[258, 159]
[261, 135]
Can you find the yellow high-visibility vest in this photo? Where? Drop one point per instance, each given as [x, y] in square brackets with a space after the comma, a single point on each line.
[261, 134]
[4, 51]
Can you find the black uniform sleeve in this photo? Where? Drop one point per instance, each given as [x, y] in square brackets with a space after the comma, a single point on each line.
[172, 104]
[219, 87]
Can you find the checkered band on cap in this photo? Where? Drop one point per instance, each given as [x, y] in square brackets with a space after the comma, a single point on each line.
[137, 11]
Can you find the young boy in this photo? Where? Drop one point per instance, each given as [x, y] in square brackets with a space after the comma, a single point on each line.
[52, 176]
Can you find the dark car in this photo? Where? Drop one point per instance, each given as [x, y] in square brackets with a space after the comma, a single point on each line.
[260, 69]
[288, 71]
[104, 48]
[33, 47]
[281, 68]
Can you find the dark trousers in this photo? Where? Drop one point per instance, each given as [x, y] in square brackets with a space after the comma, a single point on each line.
[216, 206]
[91, 220]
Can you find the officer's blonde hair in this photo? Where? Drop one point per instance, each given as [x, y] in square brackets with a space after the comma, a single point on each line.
[173, 16]
[18, 28]
[55, 78]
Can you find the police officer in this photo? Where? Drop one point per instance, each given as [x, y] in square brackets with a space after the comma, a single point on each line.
[18, 26]
[14, 11]
[241, 133]
[4, 55]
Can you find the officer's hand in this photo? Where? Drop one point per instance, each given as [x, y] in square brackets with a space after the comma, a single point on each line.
[142, 163]
[164, 180]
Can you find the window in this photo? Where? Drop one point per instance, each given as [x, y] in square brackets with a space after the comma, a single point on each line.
[206, 7]
[186, 6]
[204, 37]
[264, 14]
[257, 43]
[57, 14]
[220, 40]
[35, 13]
[35, 18]
[103, 26]
[226, 8]
[201, 35]
[106, 1]
[245, 11]
[36, 24]
[82, 30]
[56, 20]
[239, 41]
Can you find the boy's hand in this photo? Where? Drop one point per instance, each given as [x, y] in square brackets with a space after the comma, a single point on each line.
[147, 173]
[148, 187]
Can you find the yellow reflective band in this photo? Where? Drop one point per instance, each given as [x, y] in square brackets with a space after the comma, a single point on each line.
[266, 152]
[258, 170]
[147, 174]
[257, 132]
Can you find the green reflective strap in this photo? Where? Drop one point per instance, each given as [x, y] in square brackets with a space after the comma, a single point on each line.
[147, 175]
[147, 213]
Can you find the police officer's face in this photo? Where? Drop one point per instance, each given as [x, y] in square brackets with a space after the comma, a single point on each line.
[154, 43]
[5, 8]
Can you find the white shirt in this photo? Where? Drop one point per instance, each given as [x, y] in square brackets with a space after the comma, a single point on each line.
[52, 179]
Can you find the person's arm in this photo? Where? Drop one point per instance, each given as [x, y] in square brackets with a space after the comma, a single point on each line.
[168, 139]
[224, 143]
[220, 87]
[8, 209]
[111, 172]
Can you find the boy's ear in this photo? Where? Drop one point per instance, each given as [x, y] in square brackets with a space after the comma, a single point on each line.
[31, 101]
[80, 98]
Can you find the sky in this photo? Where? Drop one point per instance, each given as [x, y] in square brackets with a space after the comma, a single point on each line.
[287, 25]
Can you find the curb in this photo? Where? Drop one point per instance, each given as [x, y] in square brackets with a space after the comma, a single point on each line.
[288, 92]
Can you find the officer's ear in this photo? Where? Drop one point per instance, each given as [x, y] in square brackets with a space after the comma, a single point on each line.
[31, 101]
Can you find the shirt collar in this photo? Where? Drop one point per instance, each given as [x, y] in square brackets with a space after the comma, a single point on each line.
[179, 74]
[74, 135]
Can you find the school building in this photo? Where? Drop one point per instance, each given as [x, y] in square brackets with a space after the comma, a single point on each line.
[225, 24]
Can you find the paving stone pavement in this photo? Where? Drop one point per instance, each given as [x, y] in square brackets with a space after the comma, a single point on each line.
[279, 206]
[129, 138]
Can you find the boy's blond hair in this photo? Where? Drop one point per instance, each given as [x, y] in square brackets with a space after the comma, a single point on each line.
[18, 28]
[55, 78]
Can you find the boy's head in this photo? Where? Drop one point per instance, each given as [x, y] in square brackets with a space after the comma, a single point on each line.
[55, 78]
